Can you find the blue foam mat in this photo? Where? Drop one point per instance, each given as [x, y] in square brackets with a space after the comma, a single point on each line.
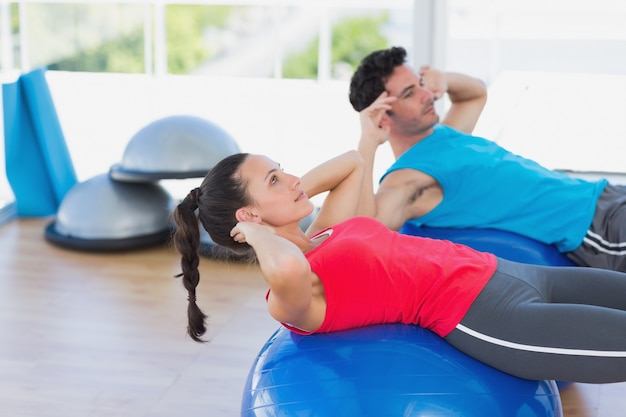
[38, 163]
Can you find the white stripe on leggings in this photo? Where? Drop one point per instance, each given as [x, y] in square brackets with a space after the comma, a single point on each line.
[602, 245]
[541, 349]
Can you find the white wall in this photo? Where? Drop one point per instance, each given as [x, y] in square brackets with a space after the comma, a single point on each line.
[297, 123]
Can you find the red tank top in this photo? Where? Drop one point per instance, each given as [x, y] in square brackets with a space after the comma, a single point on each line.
[372, 275]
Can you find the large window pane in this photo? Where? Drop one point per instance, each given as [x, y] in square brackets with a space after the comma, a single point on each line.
[279, 41]
[201, 39]
[487, 37]
[93, 37]
[342, 37]
[346, 36]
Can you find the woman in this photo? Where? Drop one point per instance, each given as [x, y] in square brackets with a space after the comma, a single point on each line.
[531, 321]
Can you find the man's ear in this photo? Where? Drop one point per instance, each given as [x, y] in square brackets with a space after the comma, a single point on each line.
[246, 215]
[385, 121]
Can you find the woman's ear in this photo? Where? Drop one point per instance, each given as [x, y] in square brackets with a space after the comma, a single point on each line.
[246, 215]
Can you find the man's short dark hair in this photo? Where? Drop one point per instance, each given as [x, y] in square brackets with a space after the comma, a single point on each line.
[368, 81]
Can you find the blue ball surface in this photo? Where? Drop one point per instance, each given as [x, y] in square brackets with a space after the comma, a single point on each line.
[385, 370]
[504, 244]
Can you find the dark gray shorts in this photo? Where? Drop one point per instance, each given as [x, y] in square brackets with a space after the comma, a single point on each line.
[604, 245]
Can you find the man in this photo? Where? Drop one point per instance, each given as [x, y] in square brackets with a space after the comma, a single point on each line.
[445, 177]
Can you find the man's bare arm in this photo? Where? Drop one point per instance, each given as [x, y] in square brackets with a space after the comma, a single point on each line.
[406, 194]
[468, 96]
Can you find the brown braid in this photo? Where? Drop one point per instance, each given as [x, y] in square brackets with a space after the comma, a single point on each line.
[187, 240]
[220, 195]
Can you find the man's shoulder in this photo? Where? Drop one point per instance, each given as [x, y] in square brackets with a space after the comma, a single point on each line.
[443, 129]
[403, 175]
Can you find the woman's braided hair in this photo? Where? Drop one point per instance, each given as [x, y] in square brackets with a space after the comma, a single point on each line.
[216, 201]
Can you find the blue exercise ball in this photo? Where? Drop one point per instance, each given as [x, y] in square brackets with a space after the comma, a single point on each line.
[507, 245]
[385, 370]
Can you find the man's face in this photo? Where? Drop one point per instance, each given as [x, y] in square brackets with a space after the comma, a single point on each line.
[413, 113]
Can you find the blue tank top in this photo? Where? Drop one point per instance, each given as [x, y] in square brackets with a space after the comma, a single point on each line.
[486, 186]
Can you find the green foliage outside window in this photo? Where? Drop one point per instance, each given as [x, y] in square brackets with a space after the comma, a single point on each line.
[187, 48]
[121, 55]
[352, 39]
[186, 26]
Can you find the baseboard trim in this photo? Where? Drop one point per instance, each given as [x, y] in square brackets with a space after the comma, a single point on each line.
[8, 213]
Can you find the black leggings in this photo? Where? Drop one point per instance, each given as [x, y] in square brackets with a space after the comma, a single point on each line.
[538, 322]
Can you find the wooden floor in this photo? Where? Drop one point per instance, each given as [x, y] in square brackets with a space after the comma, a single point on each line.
[84, 334]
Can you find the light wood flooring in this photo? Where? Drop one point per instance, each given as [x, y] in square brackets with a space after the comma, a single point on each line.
[101, 334]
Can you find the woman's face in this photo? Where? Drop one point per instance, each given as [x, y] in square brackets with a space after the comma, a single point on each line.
[278, 197]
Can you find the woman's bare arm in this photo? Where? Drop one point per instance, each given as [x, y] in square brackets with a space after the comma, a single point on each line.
[348, 177]
[288, 273]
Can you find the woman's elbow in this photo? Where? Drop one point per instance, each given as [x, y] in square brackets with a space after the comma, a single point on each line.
[287, 271]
